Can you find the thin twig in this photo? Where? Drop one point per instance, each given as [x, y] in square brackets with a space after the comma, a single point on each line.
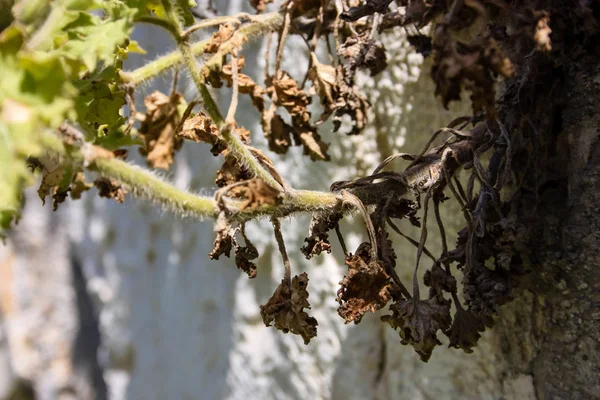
[230, 118]
[282, 250]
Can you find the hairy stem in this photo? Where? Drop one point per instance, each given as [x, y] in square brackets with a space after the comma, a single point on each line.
[260, 25]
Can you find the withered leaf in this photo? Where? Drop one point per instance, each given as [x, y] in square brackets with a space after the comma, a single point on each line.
[79, 185]
[259, 5]
[286, 307]
[231, 172]
[366, 287]
[289, 95]
[158, 128]
[224, 240]
[364, 53]
[318, 238]
[308, 136]
[418, 321]
[200, 128]
[277, 132]
[324, 80]
[245, 84]
[542, 33]
[243, 257]
[439, 280]
[349, 102]
[486, 290]
[422, 44]
[466, 329]
[224, 33]
[257, 193]
[111, 189]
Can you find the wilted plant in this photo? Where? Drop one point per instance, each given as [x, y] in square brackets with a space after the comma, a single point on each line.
[64, 92]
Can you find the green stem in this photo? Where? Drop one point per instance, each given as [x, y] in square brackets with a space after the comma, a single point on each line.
[145, 184]
[260, 25]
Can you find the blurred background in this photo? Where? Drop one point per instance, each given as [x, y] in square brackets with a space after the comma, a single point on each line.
[100, 300]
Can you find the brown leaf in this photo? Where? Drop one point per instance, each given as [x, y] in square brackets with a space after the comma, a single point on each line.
[79, 185]
[286, 306]
[243, 257]
[200, 128]
[259, 5]
[111, 189]
[231, 172]
[257, 193]
[366, 287]
[466, 330]
[324, 80]
[224, 33]
[350, 102]
[308, 136]
[289, 95]
[542, 33]
[277, 132]
[245, 84]
[418, 321]
[318, 238]
[364, 53]
[158, 129]
[224, 240]
[439, 280]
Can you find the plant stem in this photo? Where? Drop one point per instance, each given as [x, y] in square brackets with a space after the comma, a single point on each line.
[260, 25]
[145, 184]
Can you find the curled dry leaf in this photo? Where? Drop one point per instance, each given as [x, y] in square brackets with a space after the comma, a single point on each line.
[158, 129]
[244, 256]
[466, 329]
[79, 185]
[318, 238]
[364, 53]
[366, 287]
[257, 193]
[286, 309]
[245, 84]
[231, 172]
[200, 128]
[224, 33]
[439, 281]
[111, 189]
[259, 5]
[350, 102]
[277, 132]
[542, 33]
[418, 321]
[308, 136]
[474, 68]
[224, 240]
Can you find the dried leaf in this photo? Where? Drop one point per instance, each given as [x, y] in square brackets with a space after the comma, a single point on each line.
[466, 330]
[277, 132]
[364, 53]
[231, 172]
[289, 95]
[318, 238]
[256, 194]
[224, 33]
[439, 280]
[111, 189]
[418, 321]
[307, 135]
[350, 102]
[542, 33]
[245, 84]
[158, 129]
[200, 128]
[79, 185]
[243, 257]
[259, 5]
[286, 309]
[224, 240]
[366, 287]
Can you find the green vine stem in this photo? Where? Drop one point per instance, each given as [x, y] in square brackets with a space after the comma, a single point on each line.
[260, 25]
[144, 184]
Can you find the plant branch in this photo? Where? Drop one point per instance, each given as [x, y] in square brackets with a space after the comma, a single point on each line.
[260, 25]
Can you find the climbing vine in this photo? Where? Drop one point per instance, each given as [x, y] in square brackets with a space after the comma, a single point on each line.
[67, 115]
